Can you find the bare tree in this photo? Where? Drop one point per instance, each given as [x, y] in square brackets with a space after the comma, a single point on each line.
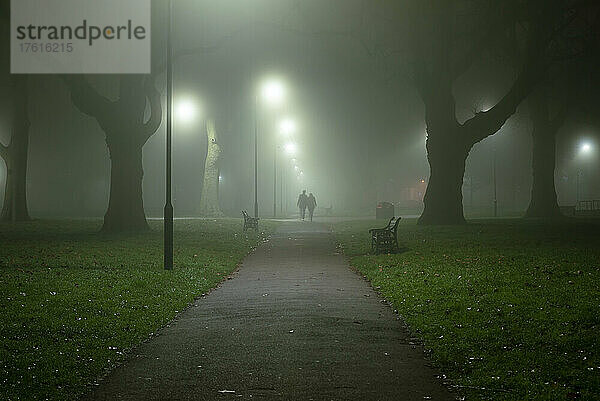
[126, 132]
[543, 203]
[209, 200]
[15, 153]
[438, 64]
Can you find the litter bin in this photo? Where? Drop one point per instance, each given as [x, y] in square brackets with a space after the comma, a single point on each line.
[384, 210]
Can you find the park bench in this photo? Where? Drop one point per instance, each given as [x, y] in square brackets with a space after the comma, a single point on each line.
[250, 222]
[385, 239]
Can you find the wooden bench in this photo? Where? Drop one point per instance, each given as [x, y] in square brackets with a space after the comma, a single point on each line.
[250, 222]
[385, 239]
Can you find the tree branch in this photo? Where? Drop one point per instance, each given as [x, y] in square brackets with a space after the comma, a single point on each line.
[489, 122]
[156, 114]
[86, 98]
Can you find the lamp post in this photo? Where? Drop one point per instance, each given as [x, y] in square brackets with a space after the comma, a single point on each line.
[495, 187]
[256, 156]
[584, 150]
[287, 127]
[275, 180]
[168, 210]
[273, 92]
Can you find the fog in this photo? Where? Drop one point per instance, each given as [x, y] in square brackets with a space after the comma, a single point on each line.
[361, 122]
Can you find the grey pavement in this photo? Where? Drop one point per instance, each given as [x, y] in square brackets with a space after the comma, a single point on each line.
[293, 323]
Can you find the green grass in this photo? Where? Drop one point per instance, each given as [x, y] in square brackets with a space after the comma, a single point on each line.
[74, 302]
[508, 310]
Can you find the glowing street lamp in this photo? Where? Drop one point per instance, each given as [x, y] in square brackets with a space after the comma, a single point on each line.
[273, 92]
[290, 148]
[186, 111]
[287, 126]
[585, 148]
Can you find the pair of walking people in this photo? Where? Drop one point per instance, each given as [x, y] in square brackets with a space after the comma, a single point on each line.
[307, 202]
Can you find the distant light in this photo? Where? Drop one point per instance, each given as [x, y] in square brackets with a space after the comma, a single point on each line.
[422, 181]
[287, 126]
[290, 148]
[220, 178]
[585, 148]
[273, 92]
[185, 111]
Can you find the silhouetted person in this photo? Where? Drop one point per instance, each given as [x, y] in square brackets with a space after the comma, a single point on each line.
[311, 203]
[302, 203]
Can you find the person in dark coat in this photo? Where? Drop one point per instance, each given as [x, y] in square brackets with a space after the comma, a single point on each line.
[302, 203]
[311, 203]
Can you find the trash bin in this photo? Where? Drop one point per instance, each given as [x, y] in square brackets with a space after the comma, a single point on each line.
[384, 210]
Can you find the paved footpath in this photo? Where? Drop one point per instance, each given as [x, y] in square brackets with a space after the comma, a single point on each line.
[294, 323]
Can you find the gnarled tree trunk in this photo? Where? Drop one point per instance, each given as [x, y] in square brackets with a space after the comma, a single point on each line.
[15, 155]
[126, 205]
[448, 142]
[126, 133]
[443, 198]
[543, 203]
[209, 200]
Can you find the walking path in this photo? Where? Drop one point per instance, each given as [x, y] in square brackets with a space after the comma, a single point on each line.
[294, 323]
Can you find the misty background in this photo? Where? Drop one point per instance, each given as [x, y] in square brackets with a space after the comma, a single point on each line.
[361, 128]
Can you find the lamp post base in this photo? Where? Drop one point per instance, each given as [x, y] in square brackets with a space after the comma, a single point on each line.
[168, 236]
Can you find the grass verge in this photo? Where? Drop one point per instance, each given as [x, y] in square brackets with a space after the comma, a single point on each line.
[508, 309]
[75, 301]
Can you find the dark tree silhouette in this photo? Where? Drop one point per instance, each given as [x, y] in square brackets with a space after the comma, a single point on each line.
[564, 89]
[543, 203]
[16, 152]
[126, 133]
[439, 62]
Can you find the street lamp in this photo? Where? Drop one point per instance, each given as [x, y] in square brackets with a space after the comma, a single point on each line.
[168, 210]
[585, 149]
[186, 111]
[273, 92]
[290, 148]
[287, 126]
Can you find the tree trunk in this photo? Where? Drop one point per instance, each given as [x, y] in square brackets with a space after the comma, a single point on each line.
[126, 133]
[126, 205]
[209, 200]
[443, 197]
[543, 202]
[15, 193]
